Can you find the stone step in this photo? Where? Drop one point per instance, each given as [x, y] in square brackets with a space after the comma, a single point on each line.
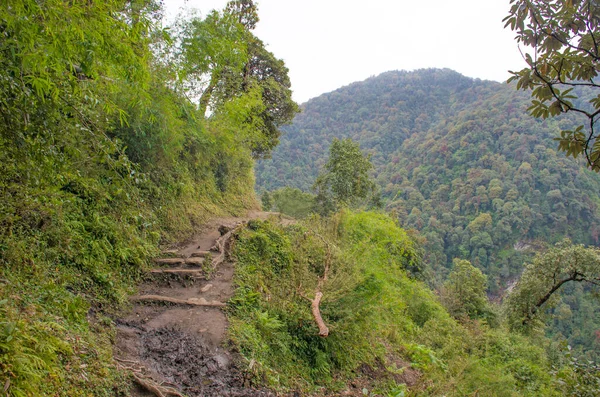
[169, 261]
[194, 261]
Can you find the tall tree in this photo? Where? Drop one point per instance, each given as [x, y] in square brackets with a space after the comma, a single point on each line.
[464, 291]
[226, 61]
[345, 180]
[562, 40]
[210, 48]
[244, 11]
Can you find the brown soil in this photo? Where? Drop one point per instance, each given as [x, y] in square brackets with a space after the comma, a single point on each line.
[182, 346]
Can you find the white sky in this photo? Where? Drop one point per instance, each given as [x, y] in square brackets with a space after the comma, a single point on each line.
[327, 44]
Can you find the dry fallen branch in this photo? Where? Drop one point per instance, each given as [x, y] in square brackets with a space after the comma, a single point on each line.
[190, 301]
[314, 303]
[314, 308]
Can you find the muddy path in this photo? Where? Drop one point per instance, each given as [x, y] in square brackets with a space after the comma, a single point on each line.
[172, 338]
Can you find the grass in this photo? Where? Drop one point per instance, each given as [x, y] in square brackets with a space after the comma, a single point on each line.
[379, 314]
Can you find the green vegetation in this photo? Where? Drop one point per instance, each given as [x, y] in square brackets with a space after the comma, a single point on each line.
[343, 183]
[246, 81]
[103, 157]
[345, 180]
[289, 201]
[463, 293]
[462, 162]
[386, 327]
[545, 276]
[562, 68]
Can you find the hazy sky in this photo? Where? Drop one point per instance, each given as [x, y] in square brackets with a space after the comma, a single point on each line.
[327, 44]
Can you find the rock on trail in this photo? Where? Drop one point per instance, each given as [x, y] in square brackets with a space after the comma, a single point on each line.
[172, 338]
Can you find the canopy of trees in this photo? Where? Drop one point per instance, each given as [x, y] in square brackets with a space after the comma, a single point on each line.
[227, 66]
[289, 201]
[463, 293]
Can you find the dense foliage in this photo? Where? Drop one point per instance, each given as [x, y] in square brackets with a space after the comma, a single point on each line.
[546, 275]
[289, 201]
[344, 180]
[387, 328]
[230, 69]
[464, 292]
[561, 41]
[102, 157]
[461, 161]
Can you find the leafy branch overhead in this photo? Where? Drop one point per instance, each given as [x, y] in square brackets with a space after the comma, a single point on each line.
[561, 40]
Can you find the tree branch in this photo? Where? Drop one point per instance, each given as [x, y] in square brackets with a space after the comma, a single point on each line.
[314, 306]
[544, 299]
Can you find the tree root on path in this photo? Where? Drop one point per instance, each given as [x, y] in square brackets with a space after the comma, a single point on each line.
[190, 301]
[223, 244]
[146, 382]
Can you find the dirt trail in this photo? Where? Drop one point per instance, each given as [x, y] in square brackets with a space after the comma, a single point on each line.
[179, 347]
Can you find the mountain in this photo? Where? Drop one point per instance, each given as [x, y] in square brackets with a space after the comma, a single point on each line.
[380, 113]
[456, 158]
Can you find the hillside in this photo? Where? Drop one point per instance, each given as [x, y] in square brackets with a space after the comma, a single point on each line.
[388, 333]
[457, 159]
[448, 149]
[380, 113]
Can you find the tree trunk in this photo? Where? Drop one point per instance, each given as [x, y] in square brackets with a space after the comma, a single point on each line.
[207, 94]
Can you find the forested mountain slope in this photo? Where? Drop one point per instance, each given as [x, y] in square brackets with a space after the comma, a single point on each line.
[380, 113]
[456, 158]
